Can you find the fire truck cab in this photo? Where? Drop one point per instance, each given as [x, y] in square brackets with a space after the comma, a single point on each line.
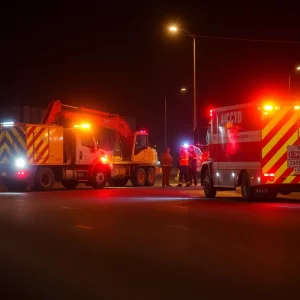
[254, 146]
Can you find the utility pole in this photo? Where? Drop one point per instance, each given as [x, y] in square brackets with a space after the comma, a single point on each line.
[165, 122]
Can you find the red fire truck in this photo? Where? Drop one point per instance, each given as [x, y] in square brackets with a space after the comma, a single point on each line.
[256, 147]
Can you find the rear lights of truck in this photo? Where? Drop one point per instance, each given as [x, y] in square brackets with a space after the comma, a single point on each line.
[269, 176]
[22, 174]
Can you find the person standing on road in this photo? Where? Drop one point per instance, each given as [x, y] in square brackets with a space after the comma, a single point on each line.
[183, 167]
[166, 162]
[193, 159]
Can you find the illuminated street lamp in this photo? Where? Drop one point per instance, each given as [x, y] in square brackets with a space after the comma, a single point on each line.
[183, 89]
[175, 29]
[297, 69]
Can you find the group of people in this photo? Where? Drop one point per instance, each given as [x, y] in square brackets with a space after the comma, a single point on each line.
[187, 165]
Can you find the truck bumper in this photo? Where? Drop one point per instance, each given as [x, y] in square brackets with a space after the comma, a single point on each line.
[9, 173]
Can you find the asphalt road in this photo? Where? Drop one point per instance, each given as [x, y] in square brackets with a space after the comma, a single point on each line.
[147, 243]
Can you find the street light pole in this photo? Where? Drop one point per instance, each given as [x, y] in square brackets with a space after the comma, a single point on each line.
[165, 122]
[174, 29]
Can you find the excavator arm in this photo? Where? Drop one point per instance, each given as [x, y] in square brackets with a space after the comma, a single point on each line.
[56, 110]
[58, 113]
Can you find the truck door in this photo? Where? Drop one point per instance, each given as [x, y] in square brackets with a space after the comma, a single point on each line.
[140, 147]
[86, 148]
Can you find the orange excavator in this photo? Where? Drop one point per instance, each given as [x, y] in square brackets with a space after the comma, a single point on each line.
[129, 152]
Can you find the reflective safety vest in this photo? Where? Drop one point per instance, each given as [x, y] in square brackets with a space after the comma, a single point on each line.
[184, 159]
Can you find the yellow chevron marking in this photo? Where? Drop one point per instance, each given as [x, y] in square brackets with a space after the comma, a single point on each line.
[2, 134]
[289, 179]
[275, 120]
[44, 135]
[279, 153]
[45, 145]
[291, 122]
[20, 139]
[5, 147]
[13, 144]
[279, 172]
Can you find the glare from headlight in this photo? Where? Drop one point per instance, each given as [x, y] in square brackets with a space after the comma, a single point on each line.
[20, 163]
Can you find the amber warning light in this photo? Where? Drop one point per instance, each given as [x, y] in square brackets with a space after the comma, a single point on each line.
[83, 126]
[269, 108]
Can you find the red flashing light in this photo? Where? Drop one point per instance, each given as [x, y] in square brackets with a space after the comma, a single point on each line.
[269, 176]
[210, 113]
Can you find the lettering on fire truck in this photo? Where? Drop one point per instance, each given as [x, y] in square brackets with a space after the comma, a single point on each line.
[265, 191]
[294, 154]
[232, 116]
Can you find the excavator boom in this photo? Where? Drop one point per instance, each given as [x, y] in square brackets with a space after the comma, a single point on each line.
[57, 112]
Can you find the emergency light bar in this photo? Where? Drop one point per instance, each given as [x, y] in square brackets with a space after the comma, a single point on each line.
[7, 124]
[83, 126]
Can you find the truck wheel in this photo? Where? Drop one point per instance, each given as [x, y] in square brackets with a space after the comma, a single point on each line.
[118, 182]
[99, 178]
[44, 179]
[139, 177]
[209, 190]
[247, 192]
[150, 179]
[69, 184]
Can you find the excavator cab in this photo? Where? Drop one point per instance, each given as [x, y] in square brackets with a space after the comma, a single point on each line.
[141, 151]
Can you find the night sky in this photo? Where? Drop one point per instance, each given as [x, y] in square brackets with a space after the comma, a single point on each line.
[121, 57]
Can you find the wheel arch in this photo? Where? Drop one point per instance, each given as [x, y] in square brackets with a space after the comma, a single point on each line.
[99, 164]
[203, 169]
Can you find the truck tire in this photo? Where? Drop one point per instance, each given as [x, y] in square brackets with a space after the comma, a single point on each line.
[247, 191]
[99, 178]
[69, 184]
[118, 182]
[139, 177]
[44, 179]
[209, 190]
[150, 178]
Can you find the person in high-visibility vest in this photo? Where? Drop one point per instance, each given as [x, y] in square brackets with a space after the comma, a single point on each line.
[183, 167]
[166, 162]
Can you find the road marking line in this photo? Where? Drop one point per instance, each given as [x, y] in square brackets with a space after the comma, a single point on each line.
[83, 227]
[177, 227]
[177, 206]
[290, 207]
[66, 207]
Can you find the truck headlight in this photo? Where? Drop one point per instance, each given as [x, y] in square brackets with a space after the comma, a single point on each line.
[20, 162]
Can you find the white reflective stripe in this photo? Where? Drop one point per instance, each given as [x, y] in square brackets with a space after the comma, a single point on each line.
[250, 165]
[241, 137]
[232, 107]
